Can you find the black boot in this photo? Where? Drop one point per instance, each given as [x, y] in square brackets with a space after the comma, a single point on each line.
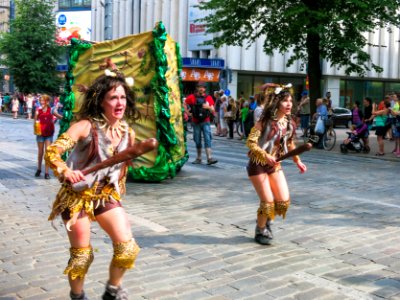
[262, 236]
[113, 292]
[82, 296]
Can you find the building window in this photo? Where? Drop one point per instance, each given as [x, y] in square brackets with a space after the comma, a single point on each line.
[67, 4]
[357, 90]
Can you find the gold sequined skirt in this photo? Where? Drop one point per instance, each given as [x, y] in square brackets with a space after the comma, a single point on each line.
[87, 200]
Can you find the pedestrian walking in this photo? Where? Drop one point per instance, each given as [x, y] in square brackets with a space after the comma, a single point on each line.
[395, 111]
[356, 114]
[29, 105]
[319, 118]
[21, 103]
[230, 112]
[217, 102]
[201, 107]
[303, 111]
[14, 106]
[367, 102]
[222, 108]
[381, 125]
[44, 131]
[6, 102]
[99, 133]
[271, 137]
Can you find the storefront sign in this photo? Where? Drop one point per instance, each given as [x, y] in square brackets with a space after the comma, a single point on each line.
[203, 62]
[196, 74]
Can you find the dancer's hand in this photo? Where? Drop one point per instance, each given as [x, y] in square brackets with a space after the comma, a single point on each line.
[302, 167]
[271, 160]
[73, 176]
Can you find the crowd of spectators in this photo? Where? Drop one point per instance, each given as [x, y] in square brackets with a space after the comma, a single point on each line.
[25, 105]
[234, 118]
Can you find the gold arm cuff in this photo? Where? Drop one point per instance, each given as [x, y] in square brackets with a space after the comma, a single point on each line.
[53, 154]
[256, 154]
[296, 159]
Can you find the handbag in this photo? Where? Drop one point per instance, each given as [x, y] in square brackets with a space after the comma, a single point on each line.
[228, 114]
[37, 128]
[319, 127]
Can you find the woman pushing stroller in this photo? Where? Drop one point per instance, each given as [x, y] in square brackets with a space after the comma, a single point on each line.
[357, 139]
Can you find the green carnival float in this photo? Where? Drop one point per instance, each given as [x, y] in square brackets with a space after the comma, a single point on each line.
[153, 60]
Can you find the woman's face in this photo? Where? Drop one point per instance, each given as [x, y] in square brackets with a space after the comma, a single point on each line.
[285, 106]
[114, 104]
[43, 102]
[365, 102]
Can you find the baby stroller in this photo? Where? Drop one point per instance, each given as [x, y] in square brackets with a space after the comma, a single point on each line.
[355, 141]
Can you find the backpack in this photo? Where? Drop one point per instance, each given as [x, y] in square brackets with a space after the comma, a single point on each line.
[198, 111]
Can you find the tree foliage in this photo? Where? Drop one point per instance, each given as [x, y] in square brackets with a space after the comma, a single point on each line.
[314, 29]
[29, 49]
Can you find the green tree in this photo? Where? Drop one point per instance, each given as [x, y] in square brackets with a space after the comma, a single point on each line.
[29, 49]
[313, 29]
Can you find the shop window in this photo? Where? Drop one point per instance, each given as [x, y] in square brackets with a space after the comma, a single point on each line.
[354, 90]
[245, 86]
[374, 90]
[392, 87]
[67, 4]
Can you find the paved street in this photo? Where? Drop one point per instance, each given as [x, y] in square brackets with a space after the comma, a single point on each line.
[340, 240]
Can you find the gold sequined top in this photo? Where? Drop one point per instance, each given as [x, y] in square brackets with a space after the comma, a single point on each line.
[272, 141]
[102, 186]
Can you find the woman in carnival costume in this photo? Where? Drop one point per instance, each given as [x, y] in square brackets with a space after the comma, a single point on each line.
[271, 137]
[99, 132]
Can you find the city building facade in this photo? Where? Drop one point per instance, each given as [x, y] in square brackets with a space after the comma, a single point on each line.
[242, 70]
[5, 16]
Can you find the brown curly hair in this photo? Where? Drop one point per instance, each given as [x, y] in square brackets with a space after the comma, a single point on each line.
[272, 105]
[94, 96]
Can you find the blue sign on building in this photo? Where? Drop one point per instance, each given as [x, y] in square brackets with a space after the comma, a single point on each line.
[62, 19]
[62, 68]
[216, 63]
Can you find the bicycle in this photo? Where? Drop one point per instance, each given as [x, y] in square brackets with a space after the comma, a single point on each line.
[328, 137]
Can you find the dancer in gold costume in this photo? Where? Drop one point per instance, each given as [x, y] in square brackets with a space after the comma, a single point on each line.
[271, 137]
[100, 131]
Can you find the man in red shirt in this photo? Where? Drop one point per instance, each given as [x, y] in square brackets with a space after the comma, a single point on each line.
[201, 107]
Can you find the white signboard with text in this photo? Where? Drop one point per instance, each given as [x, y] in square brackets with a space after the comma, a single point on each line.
[73, 24]
[197, 30]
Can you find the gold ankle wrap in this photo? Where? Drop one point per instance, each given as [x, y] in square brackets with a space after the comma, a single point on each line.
[79, 262]
[125, 254]
[267, 209]
[281, 208]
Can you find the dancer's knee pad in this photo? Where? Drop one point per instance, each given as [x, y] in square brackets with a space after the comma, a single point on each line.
[125, 254]
[281, 207]
[79, 262]
[267, 209]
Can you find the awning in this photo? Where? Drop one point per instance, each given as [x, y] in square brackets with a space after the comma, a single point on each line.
[197, 74]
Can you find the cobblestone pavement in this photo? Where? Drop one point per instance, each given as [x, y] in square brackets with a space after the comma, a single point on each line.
[340, 240]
